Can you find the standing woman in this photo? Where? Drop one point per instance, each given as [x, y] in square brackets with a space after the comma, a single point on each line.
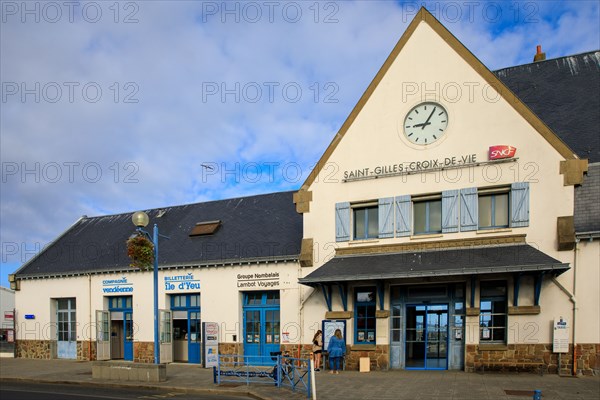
[336, 350]
[317, 349]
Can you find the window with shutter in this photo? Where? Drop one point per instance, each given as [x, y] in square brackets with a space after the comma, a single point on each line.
[403, 216]
[386, 217]
[450, 211]
[468, 209]
[519, 204]
[342, 222]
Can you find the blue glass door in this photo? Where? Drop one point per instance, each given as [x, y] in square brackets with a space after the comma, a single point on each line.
[194, 337]
[426, 344]
[128, 336]
[261, 326]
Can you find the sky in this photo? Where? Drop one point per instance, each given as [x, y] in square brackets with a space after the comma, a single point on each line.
[115, 106]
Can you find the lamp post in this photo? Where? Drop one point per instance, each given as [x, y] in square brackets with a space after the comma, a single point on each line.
[140, 220]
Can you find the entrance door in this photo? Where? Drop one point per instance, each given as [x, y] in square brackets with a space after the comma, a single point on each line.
[128, 336]
[166, 337]
[261, 326]
[102, 335]
[67, 329]
[195, 337]
[426, 337]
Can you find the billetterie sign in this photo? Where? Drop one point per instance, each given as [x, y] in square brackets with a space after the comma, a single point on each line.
[117, 285]
[260, 280]
[182, 282]
[411, 166]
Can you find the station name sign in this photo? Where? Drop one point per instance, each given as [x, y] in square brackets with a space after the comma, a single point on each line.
[411, 167]
[182, 282]
[260, 280]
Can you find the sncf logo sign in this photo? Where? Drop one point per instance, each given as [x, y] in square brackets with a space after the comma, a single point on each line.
[501, 151]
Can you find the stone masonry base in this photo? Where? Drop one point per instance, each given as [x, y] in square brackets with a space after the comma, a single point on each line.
[533, 357]
[512, 357]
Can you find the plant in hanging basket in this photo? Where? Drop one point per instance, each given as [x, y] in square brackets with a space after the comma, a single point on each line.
[140, 251]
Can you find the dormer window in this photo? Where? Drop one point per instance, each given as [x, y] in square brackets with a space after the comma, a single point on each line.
[205, 228]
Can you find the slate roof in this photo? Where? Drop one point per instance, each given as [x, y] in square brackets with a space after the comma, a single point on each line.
[460, 261]
[264, 227]
[564, 93]
[587, 201]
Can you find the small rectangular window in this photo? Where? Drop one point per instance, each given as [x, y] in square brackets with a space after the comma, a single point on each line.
[364, 313]
[427, 217]
[366, 222]
[493, 312]
[493, 210]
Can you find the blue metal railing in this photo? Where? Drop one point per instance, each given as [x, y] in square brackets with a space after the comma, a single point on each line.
[277, 370]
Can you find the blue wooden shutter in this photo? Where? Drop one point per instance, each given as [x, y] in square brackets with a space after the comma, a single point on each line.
[519, 204]
[403, 216]
[469, 210]
[386, 217]
[450, 211]
[342, 222]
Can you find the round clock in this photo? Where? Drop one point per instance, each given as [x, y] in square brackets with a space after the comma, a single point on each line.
[425, 123]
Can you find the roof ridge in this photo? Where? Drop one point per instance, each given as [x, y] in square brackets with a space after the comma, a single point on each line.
[188, 204]
[549, 59]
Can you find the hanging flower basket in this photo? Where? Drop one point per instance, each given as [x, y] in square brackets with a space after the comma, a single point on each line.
[141, 252]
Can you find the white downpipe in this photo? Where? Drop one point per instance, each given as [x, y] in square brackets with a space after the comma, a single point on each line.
[574, 301]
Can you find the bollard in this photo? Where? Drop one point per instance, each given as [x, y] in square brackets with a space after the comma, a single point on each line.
[537, 394]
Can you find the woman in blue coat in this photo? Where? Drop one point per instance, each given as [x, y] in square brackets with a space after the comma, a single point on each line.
[336, 350]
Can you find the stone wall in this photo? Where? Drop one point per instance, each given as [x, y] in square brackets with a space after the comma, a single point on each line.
[83, 350]
[379, 358]
[143, 352]
[230, 349]
[41, 349]
[529, 357]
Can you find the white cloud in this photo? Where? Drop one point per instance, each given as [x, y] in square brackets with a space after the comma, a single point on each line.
[169, 58]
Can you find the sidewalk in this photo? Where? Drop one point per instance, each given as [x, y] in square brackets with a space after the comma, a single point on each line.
[346, 386]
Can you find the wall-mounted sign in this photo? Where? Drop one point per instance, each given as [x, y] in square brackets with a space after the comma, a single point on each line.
[29, 316]
[501, 151]
[560, 343]
[117, 286]
[258, 280]
[9, 315]
[407, 167]
[181, 283]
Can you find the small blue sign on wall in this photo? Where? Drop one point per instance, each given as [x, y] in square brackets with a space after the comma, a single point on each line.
[29, 316]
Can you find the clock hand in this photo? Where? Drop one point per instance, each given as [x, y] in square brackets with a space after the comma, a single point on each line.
[423, 124]
[428, 118]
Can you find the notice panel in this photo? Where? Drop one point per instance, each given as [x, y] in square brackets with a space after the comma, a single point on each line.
[561, 336]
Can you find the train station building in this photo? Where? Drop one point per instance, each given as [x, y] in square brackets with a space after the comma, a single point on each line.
[452, 223]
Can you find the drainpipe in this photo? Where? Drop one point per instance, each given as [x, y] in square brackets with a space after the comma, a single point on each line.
[574, 301]
[575, 251]
[90, 316]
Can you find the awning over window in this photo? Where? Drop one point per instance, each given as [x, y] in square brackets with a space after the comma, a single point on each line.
[451, 262]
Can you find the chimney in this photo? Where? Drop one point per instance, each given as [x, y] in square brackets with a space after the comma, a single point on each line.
[539, 56]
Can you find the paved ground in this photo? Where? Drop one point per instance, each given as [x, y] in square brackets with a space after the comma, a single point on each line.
[346, 386]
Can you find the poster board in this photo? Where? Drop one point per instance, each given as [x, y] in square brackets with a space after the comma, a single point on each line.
[210, 333]
[329, 327]
[560, 342]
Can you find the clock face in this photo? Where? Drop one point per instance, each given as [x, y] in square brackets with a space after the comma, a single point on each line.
[425, 123]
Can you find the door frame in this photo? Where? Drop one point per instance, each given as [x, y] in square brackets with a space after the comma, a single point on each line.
[425, 334]
[262, 302]
[67, 349]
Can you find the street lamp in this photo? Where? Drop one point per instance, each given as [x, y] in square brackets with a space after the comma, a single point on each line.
[140, 220]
